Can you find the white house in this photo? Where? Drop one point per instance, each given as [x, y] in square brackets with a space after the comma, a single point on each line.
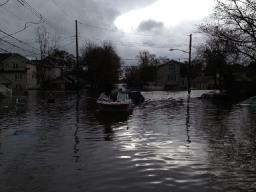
[169, 75]
[13, 72]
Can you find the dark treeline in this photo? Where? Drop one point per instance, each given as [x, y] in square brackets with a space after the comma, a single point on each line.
[230, 52]
[137, 76]
[102, 65]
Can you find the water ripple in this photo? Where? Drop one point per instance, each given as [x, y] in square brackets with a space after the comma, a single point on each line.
[166, 144]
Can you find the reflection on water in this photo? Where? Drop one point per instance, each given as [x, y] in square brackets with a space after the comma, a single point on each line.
[188, 119]
[76, 136]
[169, 143]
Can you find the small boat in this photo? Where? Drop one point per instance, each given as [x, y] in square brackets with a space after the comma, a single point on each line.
[117, 101]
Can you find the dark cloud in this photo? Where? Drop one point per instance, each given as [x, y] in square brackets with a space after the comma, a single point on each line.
[96, 23]
[150, 25]
[126, 5]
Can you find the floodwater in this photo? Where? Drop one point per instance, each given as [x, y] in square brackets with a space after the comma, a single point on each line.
[168, 143]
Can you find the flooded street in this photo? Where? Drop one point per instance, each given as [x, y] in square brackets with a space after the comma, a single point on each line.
[165, 144]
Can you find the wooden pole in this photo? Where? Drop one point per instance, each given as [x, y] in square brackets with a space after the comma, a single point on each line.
[77, 62]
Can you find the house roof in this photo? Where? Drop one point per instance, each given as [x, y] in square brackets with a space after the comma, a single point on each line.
[4, 56]
[63, 79]
[45, 64]
[170, 62]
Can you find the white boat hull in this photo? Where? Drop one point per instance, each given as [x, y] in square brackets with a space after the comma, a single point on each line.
[114, 106]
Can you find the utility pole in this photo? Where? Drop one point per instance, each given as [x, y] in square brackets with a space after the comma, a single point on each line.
[77, 63]
[189, 64]
[76, 137]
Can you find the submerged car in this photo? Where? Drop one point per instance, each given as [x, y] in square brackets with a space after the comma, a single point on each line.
[137, 97]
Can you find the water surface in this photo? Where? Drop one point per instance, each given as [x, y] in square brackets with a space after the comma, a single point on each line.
[168, 143]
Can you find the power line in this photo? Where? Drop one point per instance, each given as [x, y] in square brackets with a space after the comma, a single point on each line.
[57, 5]
[17, 46]
[27, 24]
[130, 59]
[23, 29]
[43, 19]
[4, 3]
[9, 35]
[4, 50]
[69, 43]
[32, 54]
[131, 44]
[61, 10]
[36, 13]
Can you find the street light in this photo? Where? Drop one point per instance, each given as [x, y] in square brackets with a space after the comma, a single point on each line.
[189, 61]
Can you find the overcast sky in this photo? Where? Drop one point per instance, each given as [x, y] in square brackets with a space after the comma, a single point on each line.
[131, 25]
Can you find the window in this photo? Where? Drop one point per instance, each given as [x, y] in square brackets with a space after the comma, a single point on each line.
[15, 66]
[18, 86]
[18, 76]
[33, 75]
[172, 67]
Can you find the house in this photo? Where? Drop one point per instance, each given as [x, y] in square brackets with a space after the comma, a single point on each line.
[46, 73]
[169, 75]
[13, 72]
[64, 82]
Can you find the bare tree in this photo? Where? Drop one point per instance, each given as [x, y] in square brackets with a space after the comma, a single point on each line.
[145, 58]
[42, 38]
[53, 44]
[147, 64]
[234, 21]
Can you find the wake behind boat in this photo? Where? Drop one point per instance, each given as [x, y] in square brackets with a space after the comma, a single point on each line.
[117, 101]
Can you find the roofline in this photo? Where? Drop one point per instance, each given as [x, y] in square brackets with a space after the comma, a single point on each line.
[40, 63]
[12, 54]
[170, 62]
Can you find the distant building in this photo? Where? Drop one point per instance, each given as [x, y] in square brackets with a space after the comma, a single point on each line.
[203, 83]
[241, 77]
[63, 83]
[13, 72]
[32, 82]
[169, 76]
[46, 72]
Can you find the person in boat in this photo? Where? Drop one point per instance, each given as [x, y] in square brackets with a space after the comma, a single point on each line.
[104, 97]
[113, 95]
